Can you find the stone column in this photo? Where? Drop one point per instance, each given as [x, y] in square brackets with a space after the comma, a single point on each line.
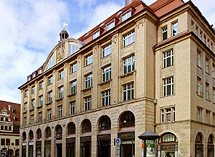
[53, 145]
[79, 84]
[66, 86]
[77, 141]
[45, 98]
[114, 134]
[43, 143]
[93, 141]
[27, 143]
[54, 106]
[34, 146]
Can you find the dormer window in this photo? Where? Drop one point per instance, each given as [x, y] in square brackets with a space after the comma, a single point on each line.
[34, 75]
[126, 15]
[73, 48]
[96, 34]
[110, 25]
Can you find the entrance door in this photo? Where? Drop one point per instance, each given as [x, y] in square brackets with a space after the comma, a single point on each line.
[127, 150]
[70, 149]
[104, 148]
[86, 149]
[59, 150]
[23, 151]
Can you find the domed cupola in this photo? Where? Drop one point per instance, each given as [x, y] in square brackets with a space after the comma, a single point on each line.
[64, 34]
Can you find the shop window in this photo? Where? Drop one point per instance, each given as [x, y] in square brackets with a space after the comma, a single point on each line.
[199, 147]
[71, 128]
[210, 147]
[104, 123]
[39, 134]
[127, 120]
[86, 126]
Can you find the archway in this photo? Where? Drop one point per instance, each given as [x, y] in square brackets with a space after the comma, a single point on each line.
[47, 149]
[199, 147]
[24, 144]
[70, 140]
[104, 137]
[38, 143]
[30, 144]
[58, 135]
[211, 146]
[127, 134]
[85, 141]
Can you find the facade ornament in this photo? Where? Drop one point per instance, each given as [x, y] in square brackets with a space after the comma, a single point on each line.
[140, 23]
[114, 38]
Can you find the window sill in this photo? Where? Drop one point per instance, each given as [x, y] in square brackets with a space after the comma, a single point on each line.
[168, 67]
[40, 106]
[86, 89]
[88, 64]
[105, 82]
[199, 67]
[59, 99]
[127, 74]
[207, 73]
[71, 95]
[24, 112]
[31, 109]
[208, 100]
[168, 96]
[48, 103]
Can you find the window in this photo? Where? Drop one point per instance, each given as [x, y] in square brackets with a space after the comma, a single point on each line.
[41, 85]
[2, 142]
[106, 98]
[73, 48]
[198, 57]
[110, 25]
[208, 43]
[106, 74]
[199, 87]
[32, 119]
[74, 68]
[207, 65]
[50, 94]
[96, 34]
[200, 35]
[89, 60]
[126, 16]
[162, 116]
[164, 33]
[199, 114]
[60, 111]
[213, 98]
[204, 38]
[40, 117]
[197, 30]
[16, 142]
[87, 103]
[88, 81]
[106, 50]
[213, 118]
[60, 92]
[61, 75]
[192, 25]
[25, 121]
[213, 70]
[73, 87]
[41, 100]
[25, 107]
[168, 86]
[32, 104]
[72, 107]
[208, 116]
[50, 80]
[129, 39]
[26, 93]
[207, 92]
[175, 29]
[33, 90]
[168, 115]
[7, 141]
[51, 62]
[212, 46]
[128, 91]
[49, 114]
[168, 59]
[129, 64]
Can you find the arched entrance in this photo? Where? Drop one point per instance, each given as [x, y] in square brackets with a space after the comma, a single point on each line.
[85, 141]
[70, 140]
[47, 149]
[58, 135]
[38, 143]
[17, 153]
[30, 144]
[199, 147]
[24, 144]
[104, 137]
[168, 145]
[211, 146]
[127, 134]
[10, 153]
[4, 152]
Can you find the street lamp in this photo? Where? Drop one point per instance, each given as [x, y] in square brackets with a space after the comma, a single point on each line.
[149, 143]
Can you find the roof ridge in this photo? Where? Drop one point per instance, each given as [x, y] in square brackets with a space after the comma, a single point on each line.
[9, 102]
[163, 5]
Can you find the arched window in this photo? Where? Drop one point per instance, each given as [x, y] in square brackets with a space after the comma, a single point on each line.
[104, 123]
[51, 63]
[127, 120]
[73, 48]
[210, 146]
[31, 135]
[86, 126]
[168, 138]
[198, 145]
[71, 128]
[58, 132]
[39, 134]
[48, 132]
[24, 136]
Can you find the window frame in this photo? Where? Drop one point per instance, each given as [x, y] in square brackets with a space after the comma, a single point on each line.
[89, 59]
[129, 62]
[73, 87]
[106, 73]
[175, 28]
[168, 56]
[88, 83]
[128, 91]
[74, 68]
[106, 97]
[106, 50]
[87, 103]
[129, 36]
[164, 30]
[166, 85]
[72, 107]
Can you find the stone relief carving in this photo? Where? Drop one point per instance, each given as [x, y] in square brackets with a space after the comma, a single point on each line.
[140, 23]
[114, 38]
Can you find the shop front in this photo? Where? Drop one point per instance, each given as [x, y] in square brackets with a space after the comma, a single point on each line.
[104, 145]
[85, 150]
[210, 146]
[38, 148]
[199, 147]
[23, 149]
[70, 147]
[127, 147]
[30, 149]
[47, 150]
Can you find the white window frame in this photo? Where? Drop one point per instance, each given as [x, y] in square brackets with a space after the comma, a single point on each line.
[110, 25]
[168, 56]
[60, 92]
[61, 74]
[128, 91]
[41, 85]
[168, 82]
[50, 96]
[33, 90]
[73, 87]
[41, 100]
[72, 107]
[49, 114]
[73, 48]
[50, 80]
[164, 30]
[106, 98]
[88, 81]
[106, 50]
[129, 63]
[174, 28]
[162, 116]
[129, 39]
[96, 34]
[106, 74]
[87, 103]
[60, 111]
[126, 15]
[88, 60]
[74, 68]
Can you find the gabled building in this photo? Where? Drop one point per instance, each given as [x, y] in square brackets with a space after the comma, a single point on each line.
[145, 67]
[9, 128]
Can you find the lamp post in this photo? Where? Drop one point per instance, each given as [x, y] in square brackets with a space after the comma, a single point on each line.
[149, 139]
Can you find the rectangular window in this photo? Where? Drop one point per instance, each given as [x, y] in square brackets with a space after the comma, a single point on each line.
[129, 39]
[200, 34]
[207, 65]
[61, 75]
[208, 116]
[168, 115]
[204, 38]
[74, 68]
[33, 90]
[199, 88]
[213, 118]
[7, 142]
[40, 117]
[207, 92]
[41, 85]
[89, 60]
[87, 103]
[129, 64]
[41, 100]
[110, 25]
[60, 111]
[192, 25]
[49, 114]
[198, 57]
[2, 142]
[175, 29]
[60, 92]
[72, 107]
[162, 116]
[126, 16]
[164, 33]
[199, 114]
[32, 119]
[213, 70]
[96, 35]
[25, 107]
[212, 46]
[25, 121]
[50, 95]
[32, 104]
[197, 30]
[106, 98]
[50, 80]
[73, 48]
[106, 50]
[208, 43]
[26, 93]
[106, 74]
[73, 87]
[16, 142]
[168, 86]
[128, 91]
[168, 58]
[88, 81]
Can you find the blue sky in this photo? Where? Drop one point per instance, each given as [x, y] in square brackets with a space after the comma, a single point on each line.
[30, 30]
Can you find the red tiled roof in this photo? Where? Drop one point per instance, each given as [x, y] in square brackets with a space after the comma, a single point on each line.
[14, 112]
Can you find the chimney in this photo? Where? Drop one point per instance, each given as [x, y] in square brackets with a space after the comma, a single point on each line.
[127, 2]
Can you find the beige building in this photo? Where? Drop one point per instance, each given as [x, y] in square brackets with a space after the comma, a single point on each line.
[9, 129]
[145, 67]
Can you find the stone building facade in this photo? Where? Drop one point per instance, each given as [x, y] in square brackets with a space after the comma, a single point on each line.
[145, 67]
